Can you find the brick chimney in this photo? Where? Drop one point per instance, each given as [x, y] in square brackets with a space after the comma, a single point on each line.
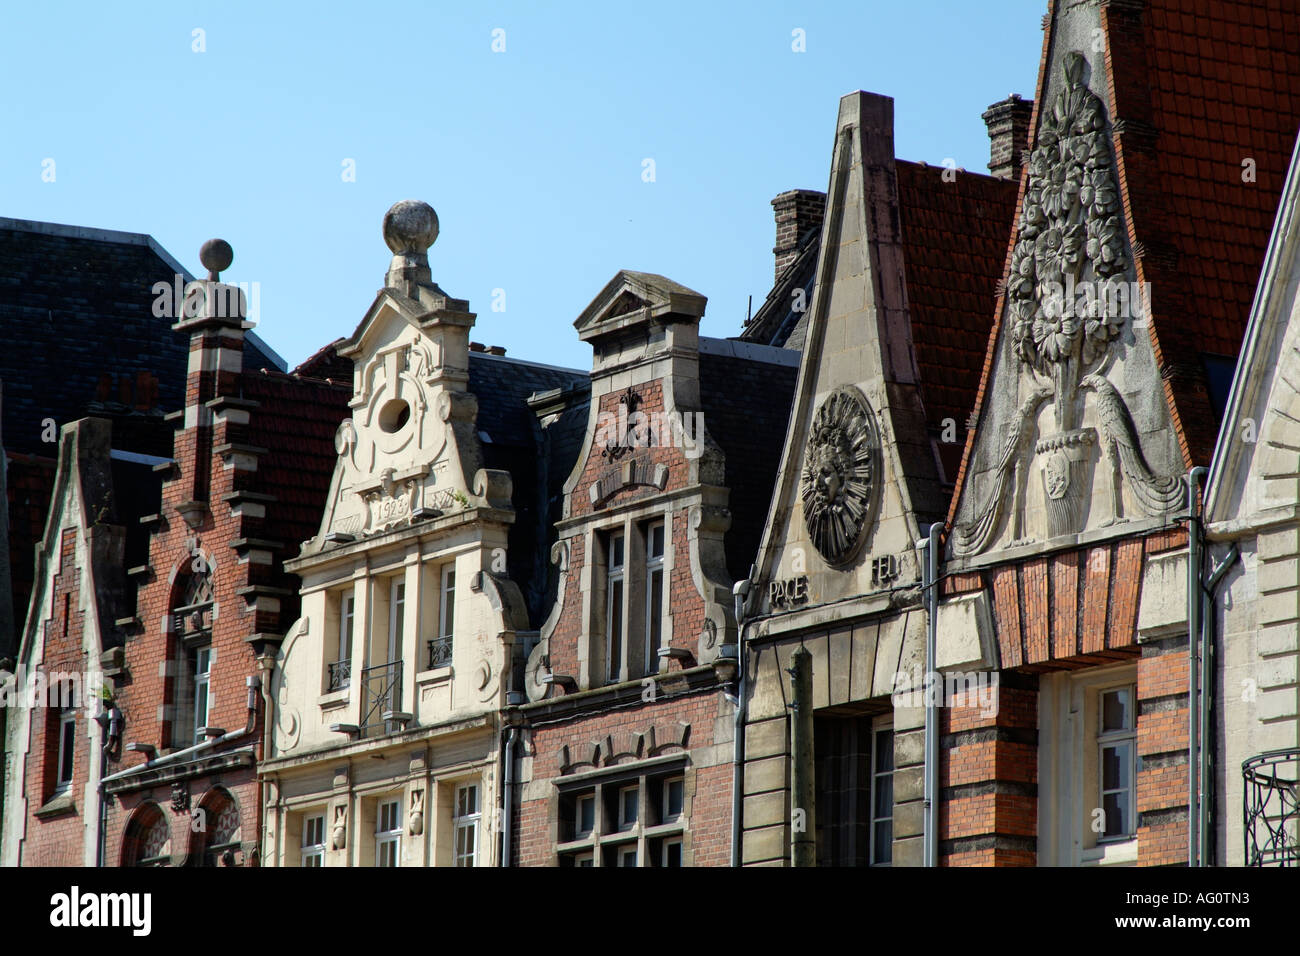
[1008, 124]
[798, 212]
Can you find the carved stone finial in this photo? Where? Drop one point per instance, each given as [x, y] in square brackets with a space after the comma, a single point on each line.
[410, 227]
[216, 256]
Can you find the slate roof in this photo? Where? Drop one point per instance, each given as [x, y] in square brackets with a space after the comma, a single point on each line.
[746, 406]
[513, 439]
[76, 308]
[29, 481]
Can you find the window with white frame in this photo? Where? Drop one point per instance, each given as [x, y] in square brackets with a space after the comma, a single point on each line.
[615, 624]
[442, 643]
[882, 793]
[629, 803]
[654, 593]
[388, 833]
[313, 841]
[466, 824]
[1116, 761]
[584, 815]
[340, 669]
[628, 819]
[67, 748]
[396, 617]
[202, 670]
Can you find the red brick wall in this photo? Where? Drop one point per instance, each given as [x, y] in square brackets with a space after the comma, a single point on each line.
[59, 840]
[988, 779]
[709, 809]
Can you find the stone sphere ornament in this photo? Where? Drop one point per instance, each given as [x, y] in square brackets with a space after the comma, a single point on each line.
[410, 227]
[216, 256]
[841, 475]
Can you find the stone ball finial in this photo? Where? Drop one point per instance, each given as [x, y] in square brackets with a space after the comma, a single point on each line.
[216, 256]
[410, 227]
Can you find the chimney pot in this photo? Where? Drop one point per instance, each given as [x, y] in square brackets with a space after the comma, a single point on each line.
[798, 212]
[1008, 126]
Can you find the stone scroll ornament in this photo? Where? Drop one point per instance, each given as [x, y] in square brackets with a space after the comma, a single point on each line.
[1067, 300]
[841, 475]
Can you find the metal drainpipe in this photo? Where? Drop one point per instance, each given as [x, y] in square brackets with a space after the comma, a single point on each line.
[739, 591]
[1194, 595]
[1207, 692]
[507, 795]
[929, 579]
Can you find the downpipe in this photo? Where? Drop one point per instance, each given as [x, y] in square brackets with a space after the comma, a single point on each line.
[929, 581]
[507, 794]
[254, 685]
[739, 591]
[1194, 605]
[1207, 697]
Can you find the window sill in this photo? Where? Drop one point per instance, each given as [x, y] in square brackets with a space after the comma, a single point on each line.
[58, 805]
[435, 675]
[334, 699]
[1115, 853]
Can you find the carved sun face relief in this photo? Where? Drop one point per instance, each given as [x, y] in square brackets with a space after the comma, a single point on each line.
[841, 475]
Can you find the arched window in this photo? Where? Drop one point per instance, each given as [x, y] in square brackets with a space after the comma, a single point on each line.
[221, 830]
[192, 613]
[148, 839]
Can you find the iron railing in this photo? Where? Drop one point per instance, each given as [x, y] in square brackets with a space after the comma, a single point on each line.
[440, 652]
[340, 675]
[1270, 811]
[383, 693]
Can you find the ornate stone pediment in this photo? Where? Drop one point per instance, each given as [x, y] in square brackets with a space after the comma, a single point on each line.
[1069, 305]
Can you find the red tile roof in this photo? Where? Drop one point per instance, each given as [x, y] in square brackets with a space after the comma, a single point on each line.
[954, 248]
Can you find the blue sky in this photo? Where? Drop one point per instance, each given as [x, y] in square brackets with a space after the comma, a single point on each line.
[532, 157]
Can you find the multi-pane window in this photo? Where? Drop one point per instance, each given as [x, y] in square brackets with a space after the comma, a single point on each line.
[466, 825]
[202, 670]
[627, 820]
[654, 592]
[388, 833]
[615, 625]
[1116, 742]
[882, 795]
[67, 748]
[313, 841]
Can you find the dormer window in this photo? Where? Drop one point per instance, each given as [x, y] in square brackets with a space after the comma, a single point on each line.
[628, 620]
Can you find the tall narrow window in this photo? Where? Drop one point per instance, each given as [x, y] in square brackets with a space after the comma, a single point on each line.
[67, 748]
[615, 629]
[313, 841]
[440, 648]
[882, 795]
[654, 593]
[1115, 739]
[466, 825]
[202, 669]
[396, 615]
[388, 833]
[341, 669]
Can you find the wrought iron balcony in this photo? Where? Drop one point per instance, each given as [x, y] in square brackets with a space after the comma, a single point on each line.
[340, 675]
[440, 652]
[1271, 813]
[382, 686]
